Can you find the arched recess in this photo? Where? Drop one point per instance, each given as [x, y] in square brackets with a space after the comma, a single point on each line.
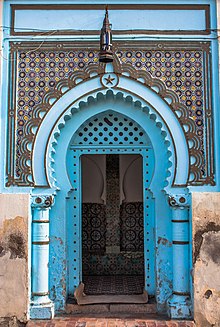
[57, 155]
[93, 185]
[131, 173]
[132, 91]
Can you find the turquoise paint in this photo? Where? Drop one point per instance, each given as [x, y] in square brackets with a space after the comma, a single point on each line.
[40, 259]
[185, 20]
[74, 173]
[161, 229]
[61, 229]
[181, 257]
[163, 117]
[75, 269]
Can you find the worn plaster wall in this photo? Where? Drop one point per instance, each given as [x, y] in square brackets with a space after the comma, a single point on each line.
[206, 236]
[14, 215]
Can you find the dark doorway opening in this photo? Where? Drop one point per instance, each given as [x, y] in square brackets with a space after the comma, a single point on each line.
[112, 224]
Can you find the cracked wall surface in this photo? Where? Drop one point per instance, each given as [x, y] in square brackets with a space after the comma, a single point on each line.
[14, 255]
[206, 242]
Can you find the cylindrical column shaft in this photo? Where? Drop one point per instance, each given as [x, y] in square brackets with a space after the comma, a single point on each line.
[180, 302]
[41, 306]
[40, 256]
[180, 228]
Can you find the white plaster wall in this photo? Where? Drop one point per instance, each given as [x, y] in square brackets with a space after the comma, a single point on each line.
[14, 215]
[206, 236]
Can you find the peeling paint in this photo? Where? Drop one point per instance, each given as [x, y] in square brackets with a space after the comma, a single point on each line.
[164, 241]
[14, 259]
[13, 235]
[212, 246]
[198, 239]
[206, 227]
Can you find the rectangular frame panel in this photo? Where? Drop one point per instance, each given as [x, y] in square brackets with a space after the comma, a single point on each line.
[75, 257]
[128, 7]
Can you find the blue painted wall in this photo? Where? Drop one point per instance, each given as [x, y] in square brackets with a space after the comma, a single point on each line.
[45, 24]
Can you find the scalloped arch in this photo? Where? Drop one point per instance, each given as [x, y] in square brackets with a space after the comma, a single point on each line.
[129, 106]
[129, 89]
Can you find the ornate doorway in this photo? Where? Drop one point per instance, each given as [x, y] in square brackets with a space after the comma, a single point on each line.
[123, 242]
[92, 127]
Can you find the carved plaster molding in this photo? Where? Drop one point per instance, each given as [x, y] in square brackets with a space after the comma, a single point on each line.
[179, 200]
[42, 201]
[94, 98]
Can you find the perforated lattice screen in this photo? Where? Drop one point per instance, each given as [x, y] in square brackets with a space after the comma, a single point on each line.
[110, 128]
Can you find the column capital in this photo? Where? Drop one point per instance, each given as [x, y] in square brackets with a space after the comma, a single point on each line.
[42, 201]
[179, 200]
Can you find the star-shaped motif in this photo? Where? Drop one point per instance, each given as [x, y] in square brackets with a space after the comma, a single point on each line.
[109, 80]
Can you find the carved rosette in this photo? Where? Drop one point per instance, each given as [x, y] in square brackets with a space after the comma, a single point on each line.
[42, 201]
[179, 200]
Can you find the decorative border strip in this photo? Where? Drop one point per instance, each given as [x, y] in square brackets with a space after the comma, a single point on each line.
[113, 7]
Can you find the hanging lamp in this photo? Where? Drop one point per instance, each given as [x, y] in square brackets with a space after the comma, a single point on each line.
[106, 54]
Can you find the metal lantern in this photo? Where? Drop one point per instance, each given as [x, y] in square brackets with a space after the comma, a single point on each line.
[106, 54]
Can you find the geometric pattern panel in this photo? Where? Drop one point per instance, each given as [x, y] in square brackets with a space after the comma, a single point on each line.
[93, 228]
[95, 259]
[38, 70]
[110, 128]
[112, 200]
[184, 71]
[124, 263]
[131, 217]
[180, 70]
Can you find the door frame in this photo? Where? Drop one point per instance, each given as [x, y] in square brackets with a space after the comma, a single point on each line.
[74, 228]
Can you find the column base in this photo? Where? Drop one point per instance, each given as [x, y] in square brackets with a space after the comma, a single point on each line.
[42, 310]
[179, 307]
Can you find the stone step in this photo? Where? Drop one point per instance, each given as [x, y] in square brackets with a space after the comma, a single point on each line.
[149, 308]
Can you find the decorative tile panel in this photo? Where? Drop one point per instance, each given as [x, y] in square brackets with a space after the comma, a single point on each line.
[123, 263]
[181, 71]
[112, 201]
[94, 238]
[93, 228]
[131, 227]
[41, 72]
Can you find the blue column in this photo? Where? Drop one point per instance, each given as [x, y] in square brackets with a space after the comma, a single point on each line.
[41, 306]
[180, 302]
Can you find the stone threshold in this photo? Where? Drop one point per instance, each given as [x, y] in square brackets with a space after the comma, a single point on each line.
[111, 309]
[84, 299]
